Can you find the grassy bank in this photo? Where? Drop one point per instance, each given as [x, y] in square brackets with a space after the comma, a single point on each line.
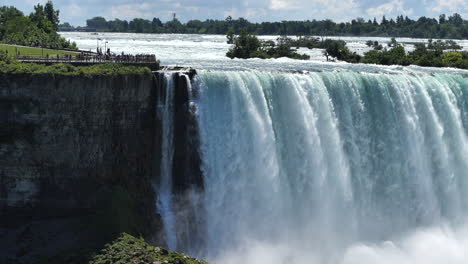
[31, 51]
[14, 67]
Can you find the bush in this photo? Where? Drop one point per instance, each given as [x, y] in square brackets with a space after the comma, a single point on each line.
[244, 46]
[338, 50]
[247, 45]
[67, 69]
[129, 249]
[452, 59]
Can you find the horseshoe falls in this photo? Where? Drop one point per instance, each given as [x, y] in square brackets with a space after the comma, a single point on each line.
[337, 167]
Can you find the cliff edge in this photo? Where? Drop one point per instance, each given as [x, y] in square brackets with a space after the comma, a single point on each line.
[76, 162]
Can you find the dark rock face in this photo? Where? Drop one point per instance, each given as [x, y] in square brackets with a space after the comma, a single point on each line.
[186, 173]
[187, 163]
[76, 158]
[79, 160]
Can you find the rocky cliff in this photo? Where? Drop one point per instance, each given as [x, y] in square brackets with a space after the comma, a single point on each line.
[76, 161]
[79, 160]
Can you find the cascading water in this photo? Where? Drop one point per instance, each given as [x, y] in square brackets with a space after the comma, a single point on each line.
[325, 167]
[164, 186]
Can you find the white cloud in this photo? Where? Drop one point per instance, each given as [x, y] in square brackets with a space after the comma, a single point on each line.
[395, 7]
[129, 11]
[449, 5]
[279, 4]
[338, 10]
[247, 13]
[72, 10]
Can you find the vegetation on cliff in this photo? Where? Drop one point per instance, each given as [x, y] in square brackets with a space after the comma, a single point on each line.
[453, 26]
[9, 65]
[39, 29]
[247, 45]
[130, 250]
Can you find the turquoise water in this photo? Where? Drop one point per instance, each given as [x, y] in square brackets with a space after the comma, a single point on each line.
[331, 167]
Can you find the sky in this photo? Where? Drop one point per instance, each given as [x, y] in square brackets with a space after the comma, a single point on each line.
[77, 11]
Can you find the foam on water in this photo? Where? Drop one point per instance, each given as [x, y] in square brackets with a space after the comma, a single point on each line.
[328, 166]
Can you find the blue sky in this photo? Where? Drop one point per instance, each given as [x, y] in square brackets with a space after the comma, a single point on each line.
[77, 11]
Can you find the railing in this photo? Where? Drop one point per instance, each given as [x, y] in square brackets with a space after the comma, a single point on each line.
[83, 58]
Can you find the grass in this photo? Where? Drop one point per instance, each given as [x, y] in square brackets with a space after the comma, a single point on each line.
[15, 67]
[30, 51]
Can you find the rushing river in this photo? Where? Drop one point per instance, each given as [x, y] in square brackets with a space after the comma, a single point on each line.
[208, 51]
[313, 162]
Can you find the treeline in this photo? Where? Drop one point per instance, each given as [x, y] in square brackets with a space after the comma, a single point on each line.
[431, 54]
[38, 29]
[453, 26]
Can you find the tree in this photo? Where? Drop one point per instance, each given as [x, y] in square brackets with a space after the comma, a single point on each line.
[156, 24]
[375, 23]
[247, 45]
[442, 19]
[452, 59]
[455, 19]
[7, 14]
[98, 23]
[338, 50]
[51, 14]
[244, 46]
[230, 36]
[384, 21]
[139, 25]
[37, 29]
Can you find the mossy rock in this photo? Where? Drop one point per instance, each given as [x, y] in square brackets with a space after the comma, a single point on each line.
[131, 250]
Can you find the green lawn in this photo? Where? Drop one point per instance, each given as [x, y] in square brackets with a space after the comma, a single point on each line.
[30, 51]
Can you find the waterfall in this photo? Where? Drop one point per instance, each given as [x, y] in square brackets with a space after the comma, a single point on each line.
[323, 167]
[178, 186]
[163, 188]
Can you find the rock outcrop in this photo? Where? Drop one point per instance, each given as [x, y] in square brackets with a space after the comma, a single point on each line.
[76, 162]
[79, 160]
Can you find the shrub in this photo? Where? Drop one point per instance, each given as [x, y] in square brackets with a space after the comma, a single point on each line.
[452, 59]
[67, 69]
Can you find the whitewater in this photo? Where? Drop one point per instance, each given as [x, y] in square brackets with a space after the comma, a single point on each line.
[334, 167]
[315, 162]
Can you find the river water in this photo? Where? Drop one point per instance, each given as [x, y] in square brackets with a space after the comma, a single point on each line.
[208, 51]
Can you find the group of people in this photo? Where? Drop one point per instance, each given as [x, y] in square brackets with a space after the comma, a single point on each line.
[112, 57]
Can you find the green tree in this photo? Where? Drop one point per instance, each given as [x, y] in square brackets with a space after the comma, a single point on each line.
[7, 14]
[98, 23]
[230, 36]
[244, 46]
[52, 15]
[452, 59]
[338, 50]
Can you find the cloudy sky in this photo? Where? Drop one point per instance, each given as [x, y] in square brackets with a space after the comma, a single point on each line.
[77, 11]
